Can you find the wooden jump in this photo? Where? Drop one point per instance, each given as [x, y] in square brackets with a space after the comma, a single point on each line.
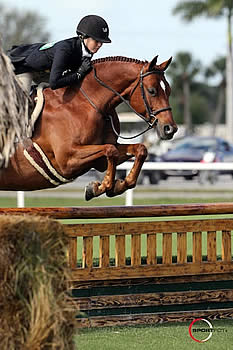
[185, 270]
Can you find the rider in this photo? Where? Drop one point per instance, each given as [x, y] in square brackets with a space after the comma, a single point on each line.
[67, 61]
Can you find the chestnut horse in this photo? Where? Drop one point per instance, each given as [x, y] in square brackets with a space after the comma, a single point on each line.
[78, 127]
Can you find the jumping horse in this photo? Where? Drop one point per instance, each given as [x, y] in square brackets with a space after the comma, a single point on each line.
[78, 128]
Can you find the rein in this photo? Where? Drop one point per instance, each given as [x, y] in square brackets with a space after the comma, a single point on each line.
[125, 137]
[119, 95]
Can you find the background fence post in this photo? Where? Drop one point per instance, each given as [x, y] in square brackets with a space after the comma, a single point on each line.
[20, 199]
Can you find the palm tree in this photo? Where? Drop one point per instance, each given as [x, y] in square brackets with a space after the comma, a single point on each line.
[184, 69]
[215, 9]
[218, 68]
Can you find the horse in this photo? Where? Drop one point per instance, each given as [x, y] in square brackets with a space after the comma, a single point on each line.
[78, 128]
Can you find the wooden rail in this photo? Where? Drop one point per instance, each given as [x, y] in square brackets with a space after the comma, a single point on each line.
[125, 212]
[173, 234]
[151, 271]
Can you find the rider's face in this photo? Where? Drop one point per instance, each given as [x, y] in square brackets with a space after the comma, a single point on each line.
[92, 44]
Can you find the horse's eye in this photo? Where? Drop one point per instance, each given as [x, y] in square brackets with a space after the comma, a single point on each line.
[152, 91]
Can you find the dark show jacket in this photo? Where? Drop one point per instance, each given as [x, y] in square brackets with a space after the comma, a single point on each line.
[61, 56]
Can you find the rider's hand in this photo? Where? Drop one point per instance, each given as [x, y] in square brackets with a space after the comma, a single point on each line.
[84, 68]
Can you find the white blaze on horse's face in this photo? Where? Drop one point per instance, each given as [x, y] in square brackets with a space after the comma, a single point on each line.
[163, 85]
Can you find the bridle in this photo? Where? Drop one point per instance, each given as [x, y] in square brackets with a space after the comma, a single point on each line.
[152, 121]
[152, 114]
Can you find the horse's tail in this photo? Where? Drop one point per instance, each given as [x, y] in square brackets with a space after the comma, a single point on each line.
[14, 110]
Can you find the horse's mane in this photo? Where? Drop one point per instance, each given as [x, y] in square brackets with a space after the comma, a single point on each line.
[118, 59]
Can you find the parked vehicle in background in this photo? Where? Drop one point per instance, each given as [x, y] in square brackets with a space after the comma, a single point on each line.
[197, 149]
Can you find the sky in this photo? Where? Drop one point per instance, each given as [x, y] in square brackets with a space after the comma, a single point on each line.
[138, 29]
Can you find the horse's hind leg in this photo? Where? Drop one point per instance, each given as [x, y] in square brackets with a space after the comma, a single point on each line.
[126, 151]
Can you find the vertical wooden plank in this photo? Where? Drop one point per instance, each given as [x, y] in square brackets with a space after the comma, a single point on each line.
[151, 249]
[104, 251]
[120, 250]
[73, 252]
[226, 246]
[181, 247]
[167, 248]
[136, 249]
[87, 251]
[197, 247]
[211, 246]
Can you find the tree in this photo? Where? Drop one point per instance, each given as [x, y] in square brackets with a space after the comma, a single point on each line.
[215, 9]
[218, 68]
[183, 71]
[21, 27]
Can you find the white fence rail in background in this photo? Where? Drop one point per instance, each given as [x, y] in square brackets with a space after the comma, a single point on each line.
[179, 166]
[173, 166]
[156, 166]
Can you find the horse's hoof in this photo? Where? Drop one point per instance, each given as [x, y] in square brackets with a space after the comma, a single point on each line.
[89, 193]
[116, 190]
[110, 194]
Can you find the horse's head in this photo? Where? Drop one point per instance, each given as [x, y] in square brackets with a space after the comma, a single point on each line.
[150, 98]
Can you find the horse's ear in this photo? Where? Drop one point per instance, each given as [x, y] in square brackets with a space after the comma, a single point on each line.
[153, 63]
[163, 66]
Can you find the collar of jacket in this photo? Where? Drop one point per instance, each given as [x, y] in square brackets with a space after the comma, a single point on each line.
[85, 51]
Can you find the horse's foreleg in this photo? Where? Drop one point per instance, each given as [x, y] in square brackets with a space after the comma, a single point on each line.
[83, 158]
[125, 151]
[95, 188]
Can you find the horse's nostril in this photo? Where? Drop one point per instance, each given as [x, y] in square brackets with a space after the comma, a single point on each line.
[168, 129]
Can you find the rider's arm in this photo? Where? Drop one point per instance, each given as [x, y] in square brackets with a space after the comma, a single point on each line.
[61, 62]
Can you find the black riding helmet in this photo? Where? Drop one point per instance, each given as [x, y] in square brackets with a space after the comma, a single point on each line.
[95, 27]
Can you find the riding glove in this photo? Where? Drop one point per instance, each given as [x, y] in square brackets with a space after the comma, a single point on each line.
[84, 68]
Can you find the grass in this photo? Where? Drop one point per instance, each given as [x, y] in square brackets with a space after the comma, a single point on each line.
[143, 195]
[163, 337]
[11, 202]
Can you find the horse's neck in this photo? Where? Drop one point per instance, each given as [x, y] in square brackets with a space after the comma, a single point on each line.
[117, 75]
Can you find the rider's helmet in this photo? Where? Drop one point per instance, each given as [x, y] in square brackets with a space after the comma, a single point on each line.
[95, 27]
